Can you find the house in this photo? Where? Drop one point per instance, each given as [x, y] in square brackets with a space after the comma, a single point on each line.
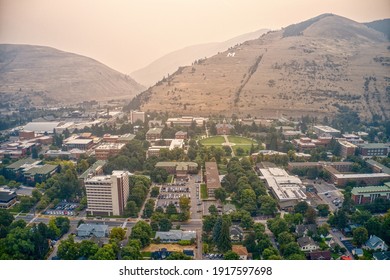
[304, 230]
[358, 252]
[320, 255]
[236, 233]
[307, 244]
[241, 251]
[229, 208]
[160, 254]
[381, 256]
[90, 230]
[174, 236]
[188, 252]
[375, 243]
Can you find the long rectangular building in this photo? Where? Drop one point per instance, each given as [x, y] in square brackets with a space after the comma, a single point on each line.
[369, 194]
[212, 178]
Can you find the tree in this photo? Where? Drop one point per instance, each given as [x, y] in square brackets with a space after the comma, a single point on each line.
[143, 232]
[155, 192]
[223, 241]
[149, 208]
[268, 205]
[87, 249]
[117, 234]
[246, 221]
[132, 251]
[171, 209]
[159, 175]
[220, 194]
[230, 255]
[165, 224]
[301, 207]
[323, 210]
[360, 235]
[178, 256]
[213, 210]
[311, 216]
[285, 238]
[248, 200]
[291, 248]
[105, 253]
[68, 249]
[132, 209]
[277, 226]
[269, 252]
[6, 218]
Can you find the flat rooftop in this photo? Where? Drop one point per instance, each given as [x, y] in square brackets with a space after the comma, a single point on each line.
[327, 129]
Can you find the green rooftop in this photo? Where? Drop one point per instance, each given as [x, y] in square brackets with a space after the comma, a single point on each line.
[92, 167]
[174, 164]
[374, 145]
[371, 189]
[41, 169]
[18, 164]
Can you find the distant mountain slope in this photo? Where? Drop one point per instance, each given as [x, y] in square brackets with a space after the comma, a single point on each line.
[60, 76]
[322, 65]
[169, 63]
[381, 26]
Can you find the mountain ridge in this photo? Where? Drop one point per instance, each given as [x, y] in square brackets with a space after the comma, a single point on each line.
[170, 62]
[61, 76]
[331, 63]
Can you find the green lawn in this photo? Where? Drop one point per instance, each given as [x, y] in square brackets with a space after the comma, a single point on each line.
[213, 141]
[203, 191]
[246, 149]
[240, 140]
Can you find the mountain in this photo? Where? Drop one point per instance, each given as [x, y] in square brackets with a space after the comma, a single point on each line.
[317, 67]
[58, 76]
[382, 25]
[169, 63]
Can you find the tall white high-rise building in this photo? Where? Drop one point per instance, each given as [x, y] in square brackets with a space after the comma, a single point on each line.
[107, 195]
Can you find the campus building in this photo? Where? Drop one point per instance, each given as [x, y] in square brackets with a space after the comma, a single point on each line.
[288, 190]
[364, 195]
[180, 169]
[373, 150]
[107, 195]
[106, 150]
[137, 116]
[212, 178]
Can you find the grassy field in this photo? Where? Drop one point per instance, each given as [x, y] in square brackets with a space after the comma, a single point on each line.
[240, 140]
[246, 149]
[213, 141]
[203, 191]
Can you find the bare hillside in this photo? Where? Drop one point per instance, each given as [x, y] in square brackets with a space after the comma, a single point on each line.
[60, 76]
[309, 68]
[169, 63]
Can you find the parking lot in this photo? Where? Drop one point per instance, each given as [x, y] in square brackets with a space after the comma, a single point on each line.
[63, 209]
[328, 194]
[171, 193]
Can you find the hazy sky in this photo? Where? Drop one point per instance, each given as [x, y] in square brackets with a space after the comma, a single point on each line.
[129, 34]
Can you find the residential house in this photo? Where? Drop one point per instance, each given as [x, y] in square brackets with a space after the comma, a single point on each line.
[358, 252]
[89, 230]
[305, 230]
[236, 233]
[241, 251]
[307, 244]
[174, 236]
[320, 255]
[381, 256]
[375, 243]
[160, 254]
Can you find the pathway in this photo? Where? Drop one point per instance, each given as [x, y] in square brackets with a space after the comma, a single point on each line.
[227, 143]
